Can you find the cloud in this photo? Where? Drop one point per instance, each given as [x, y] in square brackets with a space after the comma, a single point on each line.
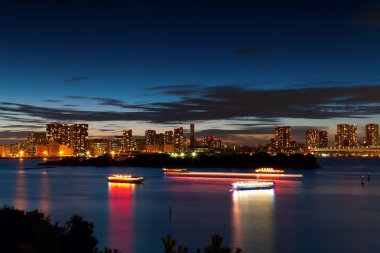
[250, 52]
[76, 79]
[51, 100]
[179, 90]
[221, 103]
[8, 137]
[21, 126]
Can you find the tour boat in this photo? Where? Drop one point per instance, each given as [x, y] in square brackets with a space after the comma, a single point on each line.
[268, 171]
[166, 170]
[252, 185]
[125, 178]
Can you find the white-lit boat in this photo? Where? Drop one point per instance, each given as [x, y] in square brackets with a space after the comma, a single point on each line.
[268, 171]
[125, 178]
[252, 185]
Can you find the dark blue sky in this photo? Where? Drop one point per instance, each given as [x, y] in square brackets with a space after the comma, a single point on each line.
[236, 69]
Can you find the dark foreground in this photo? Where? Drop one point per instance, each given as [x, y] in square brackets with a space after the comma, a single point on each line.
[296, 161]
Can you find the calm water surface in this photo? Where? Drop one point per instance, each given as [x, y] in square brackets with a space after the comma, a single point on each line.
[327, 210]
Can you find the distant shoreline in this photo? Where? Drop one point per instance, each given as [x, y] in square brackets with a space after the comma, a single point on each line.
[296, 161]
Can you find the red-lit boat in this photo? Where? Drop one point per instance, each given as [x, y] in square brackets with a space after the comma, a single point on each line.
[125, 178]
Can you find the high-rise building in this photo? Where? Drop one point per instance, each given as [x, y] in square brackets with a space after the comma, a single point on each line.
[179, 140]
[99, 147]
[323, 139]
[169, 137]
[192, 137]
[372, 135]
[160, 139]
[34, 140]
[150, 137]
[346, 136]
[128, 144]
[79, 137]
[117, 143]
[312, 138]
[211, 142]
[58, 133]
[282, 138]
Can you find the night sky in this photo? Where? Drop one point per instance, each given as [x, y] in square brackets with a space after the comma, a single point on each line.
[236, 69]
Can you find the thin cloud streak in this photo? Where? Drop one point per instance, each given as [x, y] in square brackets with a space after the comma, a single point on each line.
[76, 79]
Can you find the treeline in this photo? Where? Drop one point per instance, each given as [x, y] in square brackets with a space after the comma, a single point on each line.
[33, 232]
[296, 161]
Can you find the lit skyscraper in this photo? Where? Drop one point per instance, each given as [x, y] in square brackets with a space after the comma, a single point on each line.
[79, 137]
[168, 137]
[34, 140]
[282, 137]
[312, 139]
[179, 140]
[127, 140]
[372, 135]
[58, 133]
[150, 137]
[346, 136]
[323, 139]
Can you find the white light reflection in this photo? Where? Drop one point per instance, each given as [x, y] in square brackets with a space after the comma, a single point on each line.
[45, 203]
[252, 220]
[20, 201]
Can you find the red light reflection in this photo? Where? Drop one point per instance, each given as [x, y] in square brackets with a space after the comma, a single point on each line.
[120, 231]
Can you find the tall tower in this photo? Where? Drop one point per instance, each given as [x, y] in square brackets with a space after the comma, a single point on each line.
[168, 139]
[79, 137]
[58, 133]
[312, 139]
[150, 137]
[323, 139]
[127, 140]
[346, 136]
[282, 137]
[372, 134]
[192, 137]
[179, 140]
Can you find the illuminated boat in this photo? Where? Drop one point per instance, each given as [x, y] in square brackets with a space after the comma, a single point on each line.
[252, 185]
[268, 171]
[166, 170]
[125, 178]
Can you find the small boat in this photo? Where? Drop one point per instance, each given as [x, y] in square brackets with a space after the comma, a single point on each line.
[268, 171]
[252, 185]
[125, 178]
[166, 170]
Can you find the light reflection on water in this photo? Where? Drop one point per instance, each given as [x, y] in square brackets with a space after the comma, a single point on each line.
[44, 200]
[328, 210]
[253, 219]
[120, 228]
[20, 201]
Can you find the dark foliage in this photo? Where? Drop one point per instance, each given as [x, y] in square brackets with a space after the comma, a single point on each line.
[33, 232]
[214, 247]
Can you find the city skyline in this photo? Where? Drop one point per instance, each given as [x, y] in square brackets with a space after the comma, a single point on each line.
[236, 70]
[345, 135]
